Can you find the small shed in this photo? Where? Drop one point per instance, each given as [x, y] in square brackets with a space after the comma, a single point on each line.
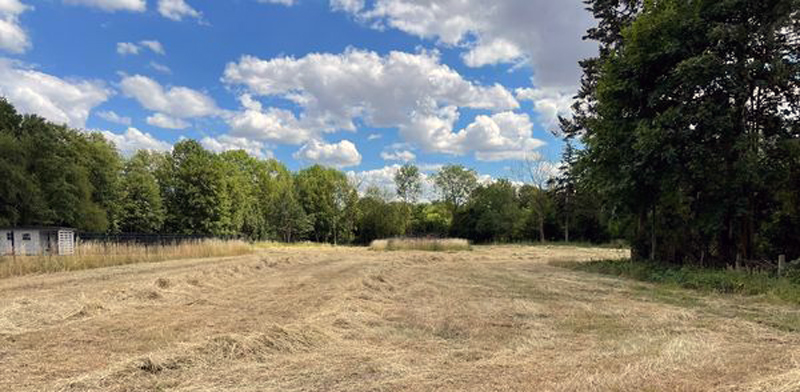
[32, 241]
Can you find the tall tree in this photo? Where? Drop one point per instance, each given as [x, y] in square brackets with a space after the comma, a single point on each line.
[455, 183]
[194, 191]
[141, 209]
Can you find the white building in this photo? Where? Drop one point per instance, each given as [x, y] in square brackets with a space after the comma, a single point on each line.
[30, 241]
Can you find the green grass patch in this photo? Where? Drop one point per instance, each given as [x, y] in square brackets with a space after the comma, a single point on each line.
[786, 289]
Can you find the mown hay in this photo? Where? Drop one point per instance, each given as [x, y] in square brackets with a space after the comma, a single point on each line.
[425, 244]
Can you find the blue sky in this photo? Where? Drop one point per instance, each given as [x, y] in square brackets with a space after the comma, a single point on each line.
[360, 85]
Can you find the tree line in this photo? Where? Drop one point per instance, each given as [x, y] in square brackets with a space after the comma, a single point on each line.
[687, 123]
[53, 175]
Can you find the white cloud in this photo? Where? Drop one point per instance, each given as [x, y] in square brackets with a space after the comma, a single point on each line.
[112, 5]
[495, 52]
[13, 37]
[113, 117]
[400, 155]
[351, 6]
[413, 92]
[287, 3]
[56, 99]
[162, 120]
[160, 68]
[177, 10]
[273, 125]
[153, 45]
[374, 136]
[227, 143]
[543, 32]
[125, 48]
[134, 140]
[176, 102]
[339, 155]
[550, 103]
[383, 178]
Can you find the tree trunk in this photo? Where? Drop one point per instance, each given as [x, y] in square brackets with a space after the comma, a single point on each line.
[653, 236]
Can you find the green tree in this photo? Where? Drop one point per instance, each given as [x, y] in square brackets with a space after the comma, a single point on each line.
[194, 190]
[455, 184]
[329, 200]
[142, 208]
[408, 183]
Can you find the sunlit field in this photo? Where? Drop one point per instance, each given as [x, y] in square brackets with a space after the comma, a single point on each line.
[340, 318]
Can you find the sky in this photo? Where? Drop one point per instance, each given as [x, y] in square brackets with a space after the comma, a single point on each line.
[361, 85]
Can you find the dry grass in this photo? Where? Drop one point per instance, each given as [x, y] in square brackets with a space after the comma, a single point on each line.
[425, 244]
[349, 319]
[97, 254]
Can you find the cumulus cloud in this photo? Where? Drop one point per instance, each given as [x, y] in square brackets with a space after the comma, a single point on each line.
[134, 140]
[160, 68]
[13, 37]
[227, 143]
[550, 103]
[272, 125]
[59, 100]
[112, 5]
[383, 178]
[175, 102]
[541, 32]
[126, 48]
[342, 154]
[177, 10]
[411, 91]
[162, 120]
[287, 3]
[398, 155]
[113, 117]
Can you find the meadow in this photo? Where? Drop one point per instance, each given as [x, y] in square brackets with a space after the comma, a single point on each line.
[338, 318]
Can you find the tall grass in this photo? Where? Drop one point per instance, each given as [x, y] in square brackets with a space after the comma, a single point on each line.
[97, 254]
[427, 244]
[786, 289]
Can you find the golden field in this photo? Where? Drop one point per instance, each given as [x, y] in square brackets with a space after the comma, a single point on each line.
[499, 318]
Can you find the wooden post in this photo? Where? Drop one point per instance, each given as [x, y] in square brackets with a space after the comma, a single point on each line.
[738, 261]
[781, 264]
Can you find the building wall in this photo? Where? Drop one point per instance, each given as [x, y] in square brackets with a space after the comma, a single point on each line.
[5, 245]
[30, 246]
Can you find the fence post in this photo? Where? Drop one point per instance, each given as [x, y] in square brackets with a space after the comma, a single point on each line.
[781, 264]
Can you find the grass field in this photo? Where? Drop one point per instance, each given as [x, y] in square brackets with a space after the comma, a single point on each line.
[351, 319]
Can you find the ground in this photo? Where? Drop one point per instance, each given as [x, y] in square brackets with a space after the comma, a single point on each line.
[350, 319]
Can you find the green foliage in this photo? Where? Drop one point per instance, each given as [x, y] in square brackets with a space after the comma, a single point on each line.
[195, 191]
[696, 278]
[142, 208]
[492, 215]
[378, 217]
[685, 117]
[330, 202]
[455, 184]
